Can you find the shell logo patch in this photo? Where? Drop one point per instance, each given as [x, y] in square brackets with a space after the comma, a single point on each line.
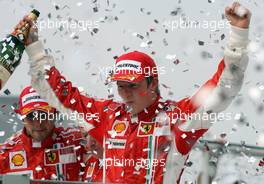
[120, 127]
[17, 160]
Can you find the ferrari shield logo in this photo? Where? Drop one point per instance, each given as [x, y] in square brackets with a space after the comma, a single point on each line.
[146, 129]
[63, 155]
[52, 157]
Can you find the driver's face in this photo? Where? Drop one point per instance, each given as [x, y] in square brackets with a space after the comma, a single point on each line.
[38, 128]
[134, 94]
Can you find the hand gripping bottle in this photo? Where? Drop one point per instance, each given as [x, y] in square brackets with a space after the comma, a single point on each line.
[12, 48]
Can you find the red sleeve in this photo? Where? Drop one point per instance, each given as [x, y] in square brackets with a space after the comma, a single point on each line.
[187, 105]
[185, 139]
[4, 160]
[71, 98]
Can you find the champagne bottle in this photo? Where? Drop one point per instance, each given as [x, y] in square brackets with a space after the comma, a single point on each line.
[12, 48]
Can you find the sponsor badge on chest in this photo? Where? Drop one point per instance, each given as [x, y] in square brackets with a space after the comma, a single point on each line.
[145, 129]
[120, 127]
[18, 160]
[64, 155]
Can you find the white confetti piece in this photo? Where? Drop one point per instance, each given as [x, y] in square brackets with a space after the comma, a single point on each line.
[38, 168]
[73, 35]
[173, 121]
[167, 149]
[252, 160]
[122, 174]
[89, 105]
[72, 101]
[2, 133]
[171, 57]
[110, 146]
[228, 86]
[47, 67]
[160, 106]
[183, 136]
[54, 176]
[261, 87]
[146, 149]
[12, 44]
[6, 56]
[117, 113]
[77, 147]
[3, 50]
[254, 94]
[237, 116]
[144, 44]
[22, 117]
[46, 77]
[79, 4]
[81, 89]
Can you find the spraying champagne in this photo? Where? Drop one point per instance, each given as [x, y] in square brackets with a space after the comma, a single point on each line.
[12, 48]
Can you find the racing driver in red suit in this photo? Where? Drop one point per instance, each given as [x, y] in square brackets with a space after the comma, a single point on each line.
[40, 149]
[146, 139]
